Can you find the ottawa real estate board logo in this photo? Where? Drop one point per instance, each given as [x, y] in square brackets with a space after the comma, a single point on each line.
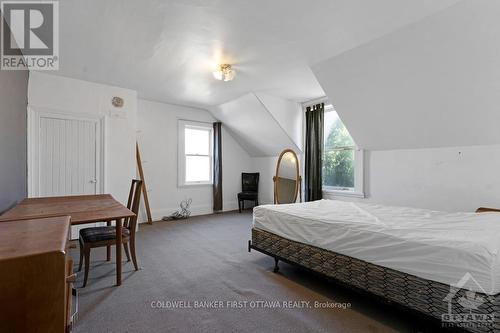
[30, 35]
[468, 309]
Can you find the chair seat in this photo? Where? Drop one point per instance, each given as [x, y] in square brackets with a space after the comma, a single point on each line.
[247, 195]
[99, 234]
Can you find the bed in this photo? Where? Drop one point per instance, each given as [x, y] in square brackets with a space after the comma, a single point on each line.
[445, 265]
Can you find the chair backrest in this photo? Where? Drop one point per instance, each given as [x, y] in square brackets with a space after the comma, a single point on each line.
[134, 199]
[250, 182]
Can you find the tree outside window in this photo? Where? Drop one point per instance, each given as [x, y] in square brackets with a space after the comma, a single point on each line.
[339, 153]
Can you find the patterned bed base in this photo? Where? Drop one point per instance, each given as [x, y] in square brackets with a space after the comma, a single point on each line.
[425, 296]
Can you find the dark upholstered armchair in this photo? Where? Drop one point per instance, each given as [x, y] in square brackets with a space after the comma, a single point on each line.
[250, 189]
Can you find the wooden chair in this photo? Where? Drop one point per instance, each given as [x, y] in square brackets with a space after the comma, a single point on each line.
[106, 236]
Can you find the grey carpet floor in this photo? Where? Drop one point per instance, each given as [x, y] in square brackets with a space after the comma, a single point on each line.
[205, 258]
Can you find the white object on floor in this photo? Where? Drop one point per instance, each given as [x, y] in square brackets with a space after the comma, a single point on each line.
[433, 245]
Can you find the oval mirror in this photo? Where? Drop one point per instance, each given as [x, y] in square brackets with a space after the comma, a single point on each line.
[287, 179]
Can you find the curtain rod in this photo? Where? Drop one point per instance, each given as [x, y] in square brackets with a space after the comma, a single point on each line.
[196, 121]
[319, 100]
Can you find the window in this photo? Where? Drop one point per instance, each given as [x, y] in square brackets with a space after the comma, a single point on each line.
[195, 153]
[342, 160]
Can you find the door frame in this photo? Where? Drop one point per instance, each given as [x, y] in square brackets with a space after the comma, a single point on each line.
[35, 113]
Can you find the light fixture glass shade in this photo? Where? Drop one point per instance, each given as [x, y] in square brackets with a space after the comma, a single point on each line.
[218, 75]
[225, 73]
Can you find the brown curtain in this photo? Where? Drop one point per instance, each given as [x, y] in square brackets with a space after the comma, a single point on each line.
[313, 163]
[217, 169]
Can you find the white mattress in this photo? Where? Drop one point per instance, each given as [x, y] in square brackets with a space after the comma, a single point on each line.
[433, 245]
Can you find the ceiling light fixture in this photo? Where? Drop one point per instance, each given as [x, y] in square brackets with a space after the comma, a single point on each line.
[225, 73]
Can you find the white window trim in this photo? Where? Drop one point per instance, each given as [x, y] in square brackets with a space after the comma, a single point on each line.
[359, 175]
[181, 165]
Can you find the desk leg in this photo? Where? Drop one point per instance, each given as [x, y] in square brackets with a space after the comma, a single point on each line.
[118, 252]
[108, 248]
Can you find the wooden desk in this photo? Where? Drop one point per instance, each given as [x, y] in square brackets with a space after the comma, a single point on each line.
[36, 275]
[82, 209]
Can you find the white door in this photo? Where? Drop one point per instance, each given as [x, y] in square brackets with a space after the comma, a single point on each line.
[68, 158]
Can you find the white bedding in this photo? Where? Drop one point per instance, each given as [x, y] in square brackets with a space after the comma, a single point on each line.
[433, 245]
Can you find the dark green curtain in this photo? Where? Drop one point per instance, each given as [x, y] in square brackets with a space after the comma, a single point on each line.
[313, 180]
[217, 169]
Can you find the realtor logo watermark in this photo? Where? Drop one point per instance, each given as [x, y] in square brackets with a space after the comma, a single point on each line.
[468, 309]
[30, 35]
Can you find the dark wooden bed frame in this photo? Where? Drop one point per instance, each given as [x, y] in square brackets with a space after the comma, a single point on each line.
[433, 299]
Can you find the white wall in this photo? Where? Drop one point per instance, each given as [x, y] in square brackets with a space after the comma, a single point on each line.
[266, 166]
[61, 94]
[449, 179]
[453, 179]
[157, 136]
[288, 115]
[235, 160]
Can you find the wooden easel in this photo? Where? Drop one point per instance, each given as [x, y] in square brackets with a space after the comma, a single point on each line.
[144, 188]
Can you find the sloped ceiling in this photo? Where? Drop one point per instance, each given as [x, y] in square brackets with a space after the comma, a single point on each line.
[431, 84]
[167, 49]
[287, 114]
[254, 126]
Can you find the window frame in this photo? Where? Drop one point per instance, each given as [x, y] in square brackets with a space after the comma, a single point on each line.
[358, 190]
[181, 169]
